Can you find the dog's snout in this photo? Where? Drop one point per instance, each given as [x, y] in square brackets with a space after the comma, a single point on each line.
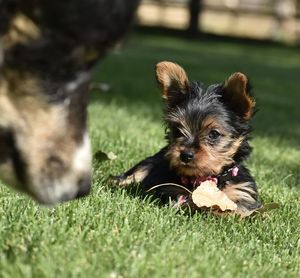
[187, 156]
[84, 186]
[55, 163]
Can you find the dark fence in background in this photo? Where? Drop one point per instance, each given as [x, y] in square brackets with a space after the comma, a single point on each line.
[270, 7]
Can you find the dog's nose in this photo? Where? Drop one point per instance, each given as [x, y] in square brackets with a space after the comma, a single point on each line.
[186, 156]
[84, 186]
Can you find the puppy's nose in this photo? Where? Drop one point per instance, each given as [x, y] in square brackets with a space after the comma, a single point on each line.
[84, 186]
[186, 156]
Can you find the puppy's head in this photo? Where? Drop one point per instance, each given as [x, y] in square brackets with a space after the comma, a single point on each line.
[207, 129]
[44, 146]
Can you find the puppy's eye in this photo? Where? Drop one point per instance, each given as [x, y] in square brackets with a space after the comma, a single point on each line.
[214, 135]
[177, 132]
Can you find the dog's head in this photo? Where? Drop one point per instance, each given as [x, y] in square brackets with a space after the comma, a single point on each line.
[44, 145]
[208, 128]
[47, 50]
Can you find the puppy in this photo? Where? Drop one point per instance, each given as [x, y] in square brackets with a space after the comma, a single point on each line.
[207, 133]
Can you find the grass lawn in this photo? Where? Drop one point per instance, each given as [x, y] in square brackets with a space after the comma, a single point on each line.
[113, 233]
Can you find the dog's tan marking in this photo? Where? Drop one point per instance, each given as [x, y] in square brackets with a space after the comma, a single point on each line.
[241, 192]
[136, 177]
[22, 30]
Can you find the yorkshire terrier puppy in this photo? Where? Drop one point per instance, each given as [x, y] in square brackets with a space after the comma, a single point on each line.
[207, 133]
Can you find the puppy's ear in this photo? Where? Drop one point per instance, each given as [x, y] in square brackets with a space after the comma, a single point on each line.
[171, 79]
[237, 95]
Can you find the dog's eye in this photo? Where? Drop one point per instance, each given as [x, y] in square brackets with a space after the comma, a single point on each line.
[177, 132]
[214, 135]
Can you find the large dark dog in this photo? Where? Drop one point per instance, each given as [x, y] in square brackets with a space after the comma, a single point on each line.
[47, 51]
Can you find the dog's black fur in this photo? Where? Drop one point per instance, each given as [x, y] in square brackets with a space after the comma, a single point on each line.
[70, 29]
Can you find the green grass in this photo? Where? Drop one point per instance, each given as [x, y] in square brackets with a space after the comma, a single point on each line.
[113, 233]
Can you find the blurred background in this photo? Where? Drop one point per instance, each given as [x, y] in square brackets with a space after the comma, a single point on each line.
[277, 20]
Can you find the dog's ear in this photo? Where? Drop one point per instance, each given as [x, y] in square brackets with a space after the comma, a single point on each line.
[171, 79]
[237, 95]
